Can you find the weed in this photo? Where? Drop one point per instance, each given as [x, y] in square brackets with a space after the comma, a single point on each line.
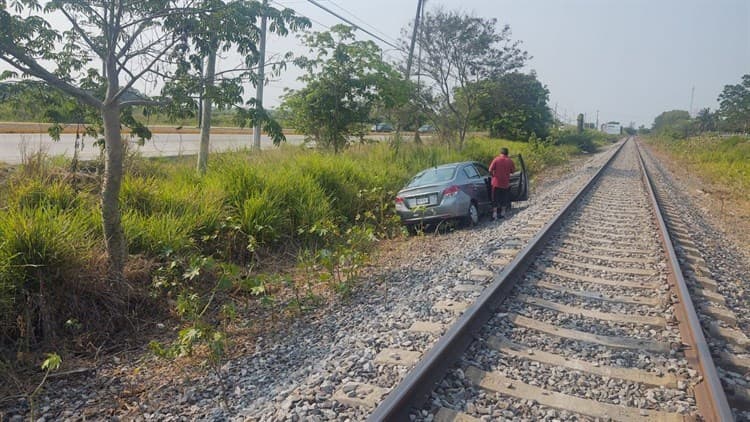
[192, 308]
[50, 364]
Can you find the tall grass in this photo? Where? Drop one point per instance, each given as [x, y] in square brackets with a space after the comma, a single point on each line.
[282, 200]
[41, 250]
[721, 160]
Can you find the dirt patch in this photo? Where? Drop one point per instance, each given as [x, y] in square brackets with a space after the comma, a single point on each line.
[730, 213]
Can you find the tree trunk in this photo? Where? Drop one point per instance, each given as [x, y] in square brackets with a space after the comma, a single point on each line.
[206, 112]
[113, 234]
[462, 134]
[200, 110]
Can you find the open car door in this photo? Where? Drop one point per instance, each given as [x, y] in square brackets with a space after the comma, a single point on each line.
[519, 181]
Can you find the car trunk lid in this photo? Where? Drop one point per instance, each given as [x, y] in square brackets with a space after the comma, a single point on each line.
[422, 196]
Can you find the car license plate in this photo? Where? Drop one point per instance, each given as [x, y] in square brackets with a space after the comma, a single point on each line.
[423, 200]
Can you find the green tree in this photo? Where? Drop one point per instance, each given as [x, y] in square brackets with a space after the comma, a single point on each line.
[109, 47]
[706, 121]
[734, 106]
[223, 26]
[345, 80]
[674, 123]
[459, 51]
[514, 106]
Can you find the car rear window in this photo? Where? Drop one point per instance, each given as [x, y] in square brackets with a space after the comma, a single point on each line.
[433, 176]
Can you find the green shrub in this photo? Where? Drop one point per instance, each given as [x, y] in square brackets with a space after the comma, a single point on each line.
[139, 194]
[46, 239]
[301, 199]
[341, 180]
[583, 141]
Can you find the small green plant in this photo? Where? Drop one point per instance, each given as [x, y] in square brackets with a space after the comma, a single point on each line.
[193, 308]
[50, 364]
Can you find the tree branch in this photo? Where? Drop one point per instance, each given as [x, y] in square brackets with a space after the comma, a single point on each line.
[145, 70]
[30, 66]
[77, 28]
[144, 102]
[131, 40]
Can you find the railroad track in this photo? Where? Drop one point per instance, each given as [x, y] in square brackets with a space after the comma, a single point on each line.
[591, 319]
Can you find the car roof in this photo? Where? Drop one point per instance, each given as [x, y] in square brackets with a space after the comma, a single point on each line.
[456, 164]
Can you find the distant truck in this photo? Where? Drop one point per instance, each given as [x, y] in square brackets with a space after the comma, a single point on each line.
[612, 128]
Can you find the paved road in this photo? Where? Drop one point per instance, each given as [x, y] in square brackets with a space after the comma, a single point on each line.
[13, 147]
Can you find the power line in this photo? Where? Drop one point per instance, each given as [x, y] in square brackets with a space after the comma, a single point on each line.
[363, 21]
[300, 14]
[353, 24]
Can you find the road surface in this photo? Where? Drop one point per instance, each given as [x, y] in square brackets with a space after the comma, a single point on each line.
[14, 147]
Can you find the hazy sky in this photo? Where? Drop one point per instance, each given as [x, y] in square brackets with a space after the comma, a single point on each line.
[629, 59]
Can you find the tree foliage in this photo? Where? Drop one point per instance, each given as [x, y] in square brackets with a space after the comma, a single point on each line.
[109, 47]
[705, 120]
[514, 106]
[734, 106]
[344, 80]
[459, 51]
[674, 123]
[222, 26]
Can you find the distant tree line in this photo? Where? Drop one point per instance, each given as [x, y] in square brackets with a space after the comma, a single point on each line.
[733, 115]
[467, 77]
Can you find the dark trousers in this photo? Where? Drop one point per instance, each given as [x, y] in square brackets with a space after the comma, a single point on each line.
[500, 197]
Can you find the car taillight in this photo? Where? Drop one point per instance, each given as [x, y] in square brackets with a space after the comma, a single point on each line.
[399, 200]
[450, 191]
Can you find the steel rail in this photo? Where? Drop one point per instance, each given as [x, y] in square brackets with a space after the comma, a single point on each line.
[414, 389]
[710, 396]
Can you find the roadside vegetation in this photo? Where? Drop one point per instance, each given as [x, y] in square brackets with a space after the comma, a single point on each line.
[724, 161]
[714, 145]
[295, 219]
[712, 148]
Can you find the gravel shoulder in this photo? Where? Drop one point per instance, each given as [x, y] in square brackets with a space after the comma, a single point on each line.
[290, 370]
[724, 239]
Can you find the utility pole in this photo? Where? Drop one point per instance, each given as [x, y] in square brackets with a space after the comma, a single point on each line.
[414, 37]
[692, 94]
[597, 120]
[556, 116]
[261, 78]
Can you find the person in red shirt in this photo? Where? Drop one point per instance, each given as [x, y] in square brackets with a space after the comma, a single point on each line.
[500, 170]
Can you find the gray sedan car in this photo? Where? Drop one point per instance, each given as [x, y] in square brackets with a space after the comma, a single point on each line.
[453, 191]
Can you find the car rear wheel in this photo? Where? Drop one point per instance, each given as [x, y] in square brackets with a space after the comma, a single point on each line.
[472, 217]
